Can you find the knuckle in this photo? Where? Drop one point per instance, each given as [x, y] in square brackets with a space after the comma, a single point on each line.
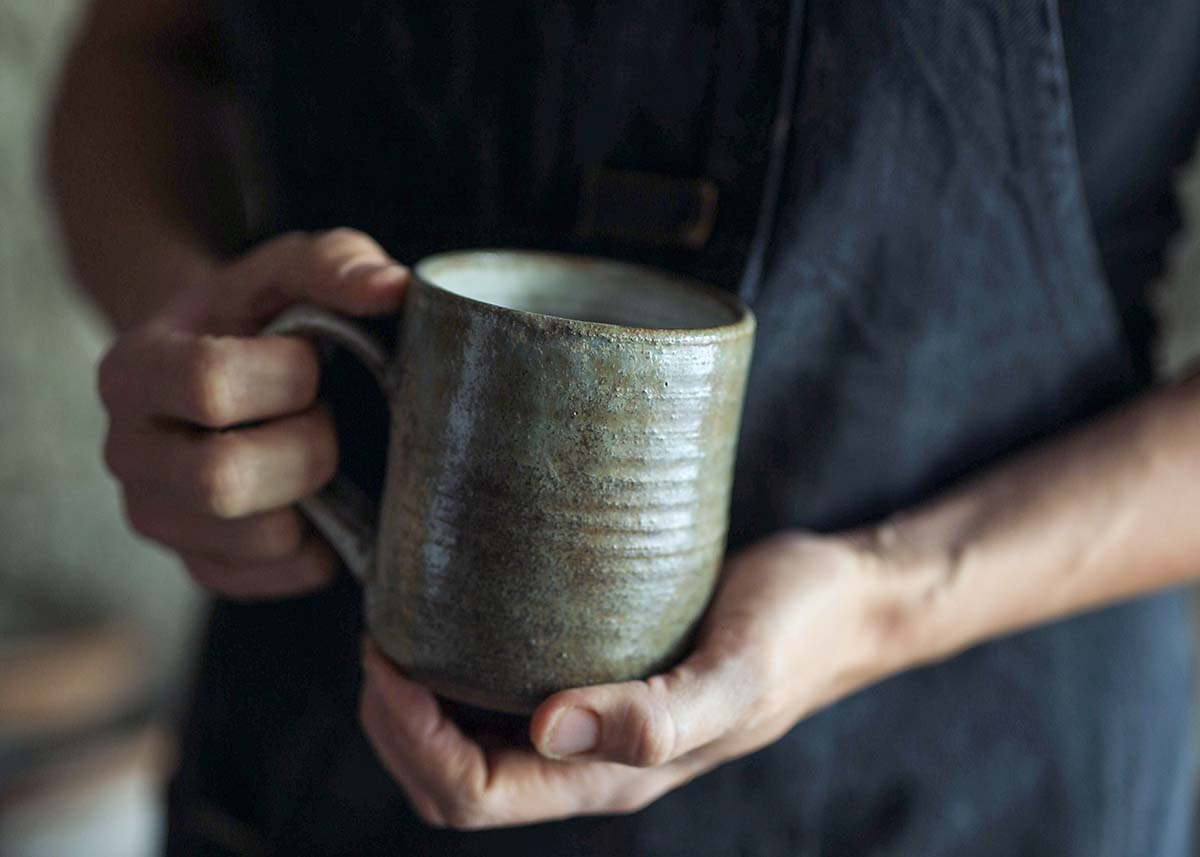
[332, 246]
[208, 389]
[202, 573]
[293, 241]
[123, 456]
[113, 454]
[140, 518]
[460, 814]
[280, 534]
[233, 583]
[322, 460]
[221, 476]
[340, 236]
[369, 719]
[632, 802]
[651, 731]
[286, 245]
[427, 811]
[108, 378]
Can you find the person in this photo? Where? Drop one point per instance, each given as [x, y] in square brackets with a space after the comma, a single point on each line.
[951, 441]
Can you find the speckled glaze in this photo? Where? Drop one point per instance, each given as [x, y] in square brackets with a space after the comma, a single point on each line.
[557, 495]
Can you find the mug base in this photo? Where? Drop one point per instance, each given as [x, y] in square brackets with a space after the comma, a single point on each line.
[473, 696]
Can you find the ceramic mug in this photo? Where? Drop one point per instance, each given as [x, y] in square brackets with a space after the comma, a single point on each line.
[561, 451]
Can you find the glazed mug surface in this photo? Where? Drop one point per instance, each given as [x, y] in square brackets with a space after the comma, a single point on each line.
[562, 441]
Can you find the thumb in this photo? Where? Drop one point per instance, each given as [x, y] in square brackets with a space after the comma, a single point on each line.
[646, 723]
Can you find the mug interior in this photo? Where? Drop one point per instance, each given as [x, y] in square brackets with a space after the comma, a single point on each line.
[579, 288]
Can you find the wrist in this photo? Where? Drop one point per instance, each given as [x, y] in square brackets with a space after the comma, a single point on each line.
[912, 579]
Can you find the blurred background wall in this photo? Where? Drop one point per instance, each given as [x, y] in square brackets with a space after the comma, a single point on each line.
[95, 626]
[62, 544]
[93, 623]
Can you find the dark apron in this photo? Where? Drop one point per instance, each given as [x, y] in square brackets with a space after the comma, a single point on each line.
[929, 299]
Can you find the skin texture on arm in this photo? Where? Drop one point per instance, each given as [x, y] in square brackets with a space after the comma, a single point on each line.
[801, 620]
[1107, 513]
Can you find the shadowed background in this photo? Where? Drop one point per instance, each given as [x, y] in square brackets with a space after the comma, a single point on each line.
[96, 626]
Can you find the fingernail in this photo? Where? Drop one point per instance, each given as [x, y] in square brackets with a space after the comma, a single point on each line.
[388, 275]
[575, 731]
[358, 268]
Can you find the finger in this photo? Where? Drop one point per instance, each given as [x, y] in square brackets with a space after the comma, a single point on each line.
[309, 568]
[422, 749]
[653, 722]
[229, 474]
[211, 381]
[453, 782]
[341, 269]
[272, 535]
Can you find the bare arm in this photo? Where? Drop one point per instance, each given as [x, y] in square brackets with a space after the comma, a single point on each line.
[142, 181]
[1104, 514]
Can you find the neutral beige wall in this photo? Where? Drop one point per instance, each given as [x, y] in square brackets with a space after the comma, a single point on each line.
[64, 552]
[61, 538]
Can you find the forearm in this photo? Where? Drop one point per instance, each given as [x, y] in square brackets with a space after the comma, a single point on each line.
[1109, 512]
[136, 170]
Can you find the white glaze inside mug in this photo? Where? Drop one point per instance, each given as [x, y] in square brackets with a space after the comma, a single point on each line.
[578, 288]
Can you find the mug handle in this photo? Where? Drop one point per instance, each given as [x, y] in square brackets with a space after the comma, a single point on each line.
[340, 511]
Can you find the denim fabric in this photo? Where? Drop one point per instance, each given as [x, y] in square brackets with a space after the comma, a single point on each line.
[931, 299]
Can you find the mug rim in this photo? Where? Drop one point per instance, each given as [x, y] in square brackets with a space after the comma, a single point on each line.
[743, 322]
